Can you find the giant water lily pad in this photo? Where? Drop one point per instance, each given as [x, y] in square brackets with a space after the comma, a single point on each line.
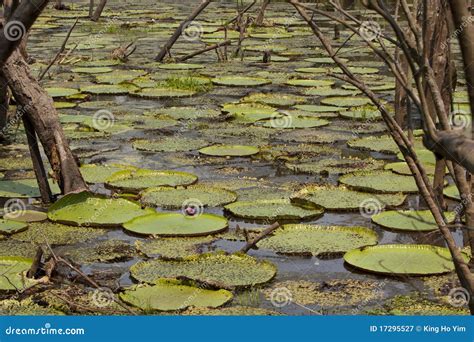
[221, 270]
[173, 248]
[402, 168]
[23, 188]
[402, 259]
[317, 240]
[271, 210]
[170, 144]
[383, 144]
[380, 181]
[61, 92]
[229, 151]
[92, 70]
[169, 295]
[319, 108]
[342, 199]
[12, 271]
[288, 121]
[137, 180]
[8, 227]
[410, 220]
[240, 81]
[332, 166]
[162, 92]
[105, 89]
[309, 83]
[94, 174]
[346, 101]
[452, 192]
[366, 113]
[180, 66]
[86, 209]
[177, 224]
[175, 198]
[274, 99]
[26, 216]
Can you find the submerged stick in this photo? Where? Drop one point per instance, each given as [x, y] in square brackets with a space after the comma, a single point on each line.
[209, 48]
[251, 244]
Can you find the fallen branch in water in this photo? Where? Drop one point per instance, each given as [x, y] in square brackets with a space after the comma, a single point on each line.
[252, 244]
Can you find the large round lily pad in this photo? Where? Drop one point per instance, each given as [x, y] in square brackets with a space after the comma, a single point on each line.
[309, 83]
[105, 89]
[8, 227]
[156, 93]
[288, 121]
[174, 198]
[12, 271]
[346, 101]
[171, 295]
[240, 81]
[86, 209]
[332, 166]
[318, 240]
[61, 92]
[220, 270]
[383, 144]
[272, 210]
[173, 247]
[177, 224]
[23, 188]
[229, 151]
[379, 181]
[410, 220]
[137, 180]
[342, 199]
[26, 216]
[170, 144]
[402, 259]
[94, 174]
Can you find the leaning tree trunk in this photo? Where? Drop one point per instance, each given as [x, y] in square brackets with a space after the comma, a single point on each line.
[436, 33]
[38, 106]
[99, 10]
[4, 100]
[261, 13]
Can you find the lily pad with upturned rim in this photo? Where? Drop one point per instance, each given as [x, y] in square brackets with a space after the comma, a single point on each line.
[8, 227]
[26, 216]
[180, 66]
[402, 259]
[177, 224]
[170, 144]
[240, 81]
[410, 220]
[23, 188]
[137, 180]
[169, 295]
[156, 93]
[94, 174]
[86, 209]
[318, 240]
[379, 181]
[346, 101]
[174, 198]
[230, 151]
[272, 210]
[216, 269]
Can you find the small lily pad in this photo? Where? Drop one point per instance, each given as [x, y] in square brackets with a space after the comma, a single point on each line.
[318, 240]
[410, 220]
[137, 180]
[169, 295]
[177, 224]
[272, 210]
[217, 269]
[86, 209]
[240, 81]
[174, 198]
[229, 151]
[26, 216]
[12, 270]
[23, 188]
[402, 259]
[8, 227]
[61, 92]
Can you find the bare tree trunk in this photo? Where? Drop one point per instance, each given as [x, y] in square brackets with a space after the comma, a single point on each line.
[39, 109]
[261, 13]
[401, 97]
[4, 101]
[169, 44]
[99, 10]
[91, 8]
